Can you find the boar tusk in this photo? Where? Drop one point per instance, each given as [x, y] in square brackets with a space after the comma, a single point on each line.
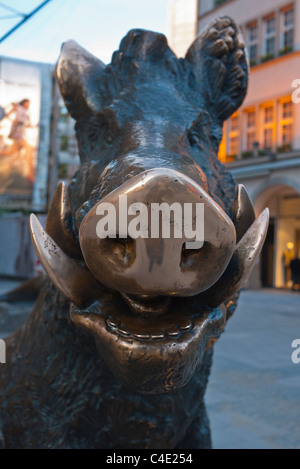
[242, 212]
[59, 221]
[73, 280]
[241, 263]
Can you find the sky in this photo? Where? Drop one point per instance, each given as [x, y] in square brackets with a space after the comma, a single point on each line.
[97, 25]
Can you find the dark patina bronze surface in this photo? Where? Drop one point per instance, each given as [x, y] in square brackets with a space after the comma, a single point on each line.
[118, 349]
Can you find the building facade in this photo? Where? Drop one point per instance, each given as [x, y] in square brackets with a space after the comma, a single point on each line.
[182, 24]
[31, 170]
[25, 104]
[261, 142]
[68, 153]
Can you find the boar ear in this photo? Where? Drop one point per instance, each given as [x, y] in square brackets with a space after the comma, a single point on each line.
[78, 73]
[220, 66]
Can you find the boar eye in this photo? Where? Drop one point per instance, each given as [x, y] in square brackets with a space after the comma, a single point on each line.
[193, 139]
[102, 126]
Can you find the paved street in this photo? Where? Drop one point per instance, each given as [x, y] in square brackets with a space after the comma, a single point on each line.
[253, 396]
[12, 315]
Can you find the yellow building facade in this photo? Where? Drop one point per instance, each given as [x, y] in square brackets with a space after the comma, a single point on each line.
[261, 142]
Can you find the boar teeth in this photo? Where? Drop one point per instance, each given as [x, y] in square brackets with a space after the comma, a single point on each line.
[171, 332]
[241, 263]
[242, 212]
[74, 281]
[59, 220]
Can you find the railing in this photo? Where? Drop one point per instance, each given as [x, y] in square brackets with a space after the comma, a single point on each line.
[267, 57]
[262, 156]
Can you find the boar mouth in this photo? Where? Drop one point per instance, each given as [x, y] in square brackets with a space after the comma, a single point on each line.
[147, 304]
[153, 354]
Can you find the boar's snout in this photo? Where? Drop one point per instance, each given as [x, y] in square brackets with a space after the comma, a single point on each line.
[160, 233]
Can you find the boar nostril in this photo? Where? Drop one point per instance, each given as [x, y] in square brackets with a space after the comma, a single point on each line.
[122, 248]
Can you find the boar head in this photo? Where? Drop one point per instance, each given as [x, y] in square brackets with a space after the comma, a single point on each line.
[149, 126]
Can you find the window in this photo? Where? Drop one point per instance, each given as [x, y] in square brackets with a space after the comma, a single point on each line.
[64, 143]
[63, 114]
[251, 130]
[234, 146]
[234, 136]
[287, 110]
[251, 139]
[286, 127]
[252, 42]
[72, 146]
[234, 123]
[251, 119]
[268, 137]
[287, 134]
[268, 114]
[287, 30]
[268, 126]
[269, 37]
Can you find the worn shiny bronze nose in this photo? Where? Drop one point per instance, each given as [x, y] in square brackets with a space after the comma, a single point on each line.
[160, 233]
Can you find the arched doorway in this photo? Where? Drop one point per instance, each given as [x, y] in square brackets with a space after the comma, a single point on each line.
[283, 238]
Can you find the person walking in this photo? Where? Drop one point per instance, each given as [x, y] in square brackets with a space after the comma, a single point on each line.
[295, 269]
[18, 134]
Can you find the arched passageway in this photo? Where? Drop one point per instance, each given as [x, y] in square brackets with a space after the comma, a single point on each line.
[283, 239]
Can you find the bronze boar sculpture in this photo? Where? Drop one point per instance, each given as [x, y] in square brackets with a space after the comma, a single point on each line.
[118, 349]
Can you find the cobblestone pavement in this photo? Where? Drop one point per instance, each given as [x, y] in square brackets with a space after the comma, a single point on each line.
[12, 315]
[253, 396]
